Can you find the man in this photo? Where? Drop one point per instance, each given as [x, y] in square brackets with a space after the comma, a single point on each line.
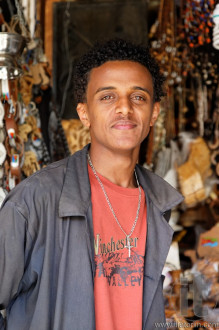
[84, 241]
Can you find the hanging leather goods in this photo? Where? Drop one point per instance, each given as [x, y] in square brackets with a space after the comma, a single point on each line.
[12, 110]
[2, 195]
[16, 155]
[24, 131]
[35, 72]
[26, 83]
[2, 114]
[24, 114]
[6, 169]
[193, 173]
[13, 91]
[1, 174]
[5, 89]
[200, 105]
[2, 135]
[36, 141]
[215, 157]
[30, 165]
[11, 181]
[11, 126]
[11, 132]
[19, 146]
[214, 144]
[32, 109]
[217, 169]
[215, 160]
[15, 166]
[2, 153]
[36, 134]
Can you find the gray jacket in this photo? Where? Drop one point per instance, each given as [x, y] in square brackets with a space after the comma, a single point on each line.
[47, 249]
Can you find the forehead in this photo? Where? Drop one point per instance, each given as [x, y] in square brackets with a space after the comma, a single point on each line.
[120, 72]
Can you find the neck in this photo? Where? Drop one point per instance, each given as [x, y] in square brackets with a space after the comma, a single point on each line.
[118, 168]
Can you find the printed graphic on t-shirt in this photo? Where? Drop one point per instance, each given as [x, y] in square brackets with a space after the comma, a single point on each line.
[112, 262]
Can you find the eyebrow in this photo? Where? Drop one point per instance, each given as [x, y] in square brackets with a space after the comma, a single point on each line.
[105, 89]
[113, 88]
[142, 89]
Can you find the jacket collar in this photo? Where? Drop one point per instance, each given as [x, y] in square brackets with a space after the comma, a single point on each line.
[158, 191]
[75, 196]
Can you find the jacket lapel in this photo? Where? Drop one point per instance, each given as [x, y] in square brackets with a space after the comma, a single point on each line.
[160, 197]
[159, 238]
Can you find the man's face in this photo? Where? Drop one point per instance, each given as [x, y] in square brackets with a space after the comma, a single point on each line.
[119, 109]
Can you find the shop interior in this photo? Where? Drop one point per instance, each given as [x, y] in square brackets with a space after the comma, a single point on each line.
[40, 42]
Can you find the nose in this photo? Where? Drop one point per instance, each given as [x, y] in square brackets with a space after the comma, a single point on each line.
[124, 106]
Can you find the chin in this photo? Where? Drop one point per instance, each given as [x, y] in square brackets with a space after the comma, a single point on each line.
[126, 145]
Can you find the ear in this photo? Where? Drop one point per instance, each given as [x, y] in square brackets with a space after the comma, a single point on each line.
[83, 114]
[155, 113]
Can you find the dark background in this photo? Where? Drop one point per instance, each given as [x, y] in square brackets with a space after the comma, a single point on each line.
[77, 26]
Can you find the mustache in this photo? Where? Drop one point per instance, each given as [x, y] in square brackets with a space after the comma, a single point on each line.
[121, 120]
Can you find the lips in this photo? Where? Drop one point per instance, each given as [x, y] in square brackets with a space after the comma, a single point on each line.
[124, 125]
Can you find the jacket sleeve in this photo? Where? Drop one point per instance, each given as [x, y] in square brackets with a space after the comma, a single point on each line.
[12, 247]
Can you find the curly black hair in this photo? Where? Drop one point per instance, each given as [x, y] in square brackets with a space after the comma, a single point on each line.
[115, 50]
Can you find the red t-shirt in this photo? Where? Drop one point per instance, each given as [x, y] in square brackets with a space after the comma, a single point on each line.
[118, 282]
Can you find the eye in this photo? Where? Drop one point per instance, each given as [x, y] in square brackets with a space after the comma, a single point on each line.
[139, 98]
[107, 97]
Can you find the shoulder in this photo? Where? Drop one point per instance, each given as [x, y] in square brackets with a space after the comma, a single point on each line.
[47, 184]
[47, 180]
